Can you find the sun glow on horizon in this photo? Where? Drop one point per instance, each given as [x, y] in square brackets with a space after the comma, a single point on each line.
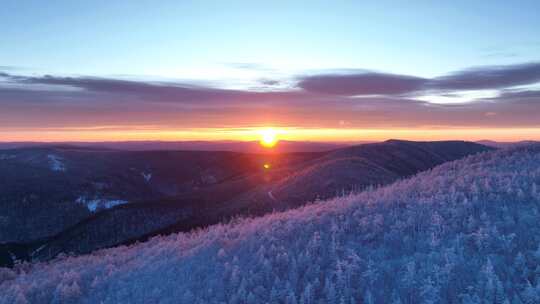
[268, 138]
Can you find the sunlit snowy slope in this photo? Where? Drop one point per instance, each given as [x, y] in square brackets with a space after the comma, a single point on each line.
[464, 231]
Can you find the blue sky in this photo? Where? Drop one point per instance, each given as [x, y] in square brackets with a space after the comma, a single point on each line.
[179, 39]
[321, 67]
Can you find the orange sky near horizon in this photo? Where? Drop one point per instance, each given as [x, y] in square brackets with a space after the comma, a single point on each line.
[254, 134]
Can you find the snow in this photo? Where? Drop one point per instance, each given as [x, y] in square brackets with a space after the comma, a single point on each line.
[271, 196]
[111, 203]
[55, 163]
[37, 250]
[147, 176]
[94, 205]
[208, 179]
[465, 232]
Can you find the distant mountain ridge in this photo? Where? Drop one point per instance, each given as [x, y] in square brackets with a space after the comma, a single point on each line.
[507, 144]
[283, 146]
[370, 164]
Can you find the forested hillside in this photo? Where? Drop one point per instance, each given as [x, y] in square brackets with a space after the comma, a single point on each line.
[104, 198]
[356, 167]
[467, 231]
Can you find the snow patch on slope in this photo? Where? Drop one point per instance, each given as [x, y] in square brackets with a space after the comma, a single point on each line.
[33, 253]
[55, 163]
[94, 205]
[147, 176]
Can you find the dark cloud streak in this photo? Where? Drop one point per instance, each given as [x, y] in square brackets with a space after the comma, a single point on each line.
[491, 77]
[371, 83]
[361, 84]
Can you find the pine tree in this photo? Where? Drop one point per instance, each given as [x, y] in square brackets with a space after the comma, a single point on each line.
[291, 298]
[307, 296]
[368, 298]
[251, 298]
[468, 299]
[530, 295]
[371, 274]
[500, 295]
[521, 269]
[395, 298]
[275, 294]
[330, 292]
[430, 292]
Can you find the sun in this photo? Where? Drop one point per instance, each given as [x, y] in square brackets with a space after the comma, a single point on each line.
[268, 138]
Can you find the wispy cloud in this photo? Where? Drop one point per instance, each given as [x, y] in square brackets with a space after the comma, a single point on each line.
[363, 99]
[133, 90]
[269, 82]
[248, 66]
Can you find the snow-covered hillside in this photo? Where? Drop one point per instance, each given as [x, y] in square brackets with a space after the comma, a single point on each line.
[465, 232]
